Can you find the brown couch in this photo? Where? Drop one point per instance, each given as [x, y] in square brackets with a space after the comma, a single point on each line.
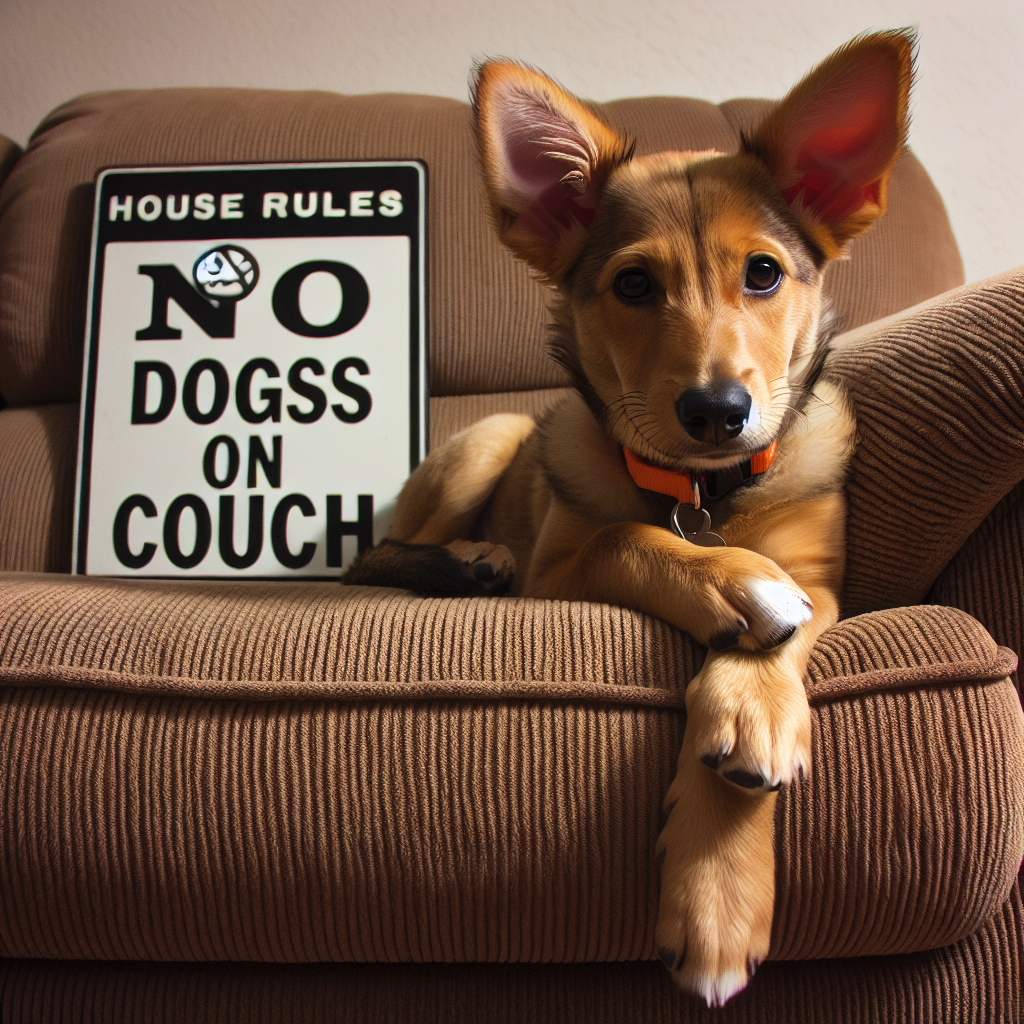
[276, 802]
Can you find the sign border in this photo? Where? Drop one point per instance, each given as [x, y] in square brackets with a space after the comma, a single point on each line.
[419, 384]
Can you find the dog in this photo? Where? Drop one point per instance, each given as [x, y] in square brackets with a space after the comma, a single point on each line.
[696, 474]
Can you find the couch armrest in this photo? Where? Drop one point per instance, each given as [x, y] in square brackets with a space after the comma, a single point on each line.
[10, 152]
[281, 772]
[909, 831]
[938, 391]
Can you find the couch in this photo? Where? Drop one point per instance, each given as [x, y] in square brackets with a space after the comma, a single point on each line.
[280, 801]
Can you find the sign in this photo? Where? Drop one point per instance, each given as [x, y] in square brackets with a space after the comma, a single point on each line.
[254, 393]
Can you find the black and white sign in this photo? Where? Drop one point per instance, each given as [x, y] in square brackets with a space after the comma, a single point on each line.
[254, 394]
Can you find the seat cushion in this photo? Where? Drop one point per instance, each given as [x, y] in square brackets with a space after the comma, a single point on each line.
[305, 772]
[487, 315]
[975, 981]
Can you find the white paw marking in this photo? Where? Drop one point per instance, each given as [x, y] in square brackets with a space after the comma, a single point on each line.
[718, 991]
[788, 606]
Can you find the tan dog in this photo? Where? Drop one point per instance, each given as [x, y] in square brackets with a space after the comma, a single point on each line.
[687, 307]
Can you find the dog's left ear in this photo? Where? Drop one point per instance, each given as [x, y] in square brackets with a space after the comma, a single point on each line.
[546, 157]
[832, 142]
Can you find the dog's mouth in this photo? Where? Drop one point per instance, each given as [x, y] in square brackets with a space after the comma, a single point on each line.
[659, 440]
[655, 450]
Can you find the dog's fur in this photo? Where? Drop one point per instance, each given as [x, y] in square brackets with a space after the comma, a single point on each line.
[554, 497]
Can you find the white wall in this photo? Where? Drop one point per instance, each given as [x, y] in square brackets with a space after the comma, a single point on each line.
[968, 123]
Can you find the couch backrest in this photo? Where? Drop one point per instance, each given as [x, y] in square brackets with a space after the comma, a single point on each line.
[487, 314]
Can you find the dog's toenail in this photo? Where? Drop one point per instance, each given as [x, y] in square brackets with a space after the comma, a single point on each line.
[483, 571]
[779, 638]
[713, 761]
[744, 779]
[724, 641]
[667, 957]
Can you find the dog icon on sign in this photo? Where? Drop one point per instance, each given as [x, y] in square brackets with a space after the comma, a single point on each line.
[226, 272]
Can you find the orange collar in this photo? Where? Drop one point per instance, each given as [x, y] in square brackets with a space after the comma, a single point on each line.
[680, 485]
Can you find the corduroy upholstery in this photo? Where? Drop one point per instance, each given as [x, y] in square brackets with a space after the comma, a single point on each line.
[452, 805]
[371, 698]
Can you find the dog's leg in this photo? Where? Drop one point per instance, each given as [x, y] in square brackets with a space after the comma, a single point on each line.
[717, 881]
[721, 596]
[442, 499]
[463, 568]
[748, 732]
[748, 722]
[427, 551]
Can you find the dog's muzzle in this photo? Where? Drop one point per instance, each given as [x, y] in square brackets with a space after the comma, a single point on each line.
[715, 412]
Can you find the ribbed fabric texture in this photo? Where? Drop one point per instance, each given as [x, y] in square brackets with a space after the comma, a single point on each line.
[938, 393]
[10, 152]
[288, 773]
[308, 632]
[975, 981]
[986, 577]
[38, 447]
[487, 315]
[297, 773]
[162, 828]
[449, 415]
[921, 781]
[906, 645]
[377, 832]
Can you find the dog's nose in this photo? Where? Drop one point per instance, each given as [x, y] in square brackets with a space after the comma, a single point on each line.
[715, 412]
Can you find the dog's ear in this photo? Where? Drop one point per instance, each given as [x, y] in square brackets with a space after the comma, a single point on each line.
[831, 143]
[545, 159]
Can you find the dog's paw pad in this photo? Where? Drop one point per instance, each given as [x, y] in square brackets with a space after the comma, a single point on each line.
[743, 779]
[484, 571]
[491, 565]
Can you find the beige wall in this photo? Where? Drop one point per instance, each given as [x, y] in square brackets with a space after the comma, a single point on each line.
[968, 122]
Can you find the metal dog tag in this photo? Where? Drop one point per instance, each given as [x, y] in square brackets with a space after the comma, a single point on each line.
[694, 524]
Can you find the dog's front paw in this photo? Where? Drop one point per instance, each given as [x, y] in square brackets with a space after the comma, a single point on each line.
[717, 885]
[490, 565]
[745, 600]
[772, 609]
[749, 720]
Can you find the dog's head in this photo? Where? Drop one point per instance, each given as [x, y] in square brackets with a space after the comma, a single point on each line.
[689, 284]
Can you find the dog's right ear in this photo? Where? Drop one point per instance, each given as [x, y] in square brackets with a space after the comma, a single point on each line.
[545, 159]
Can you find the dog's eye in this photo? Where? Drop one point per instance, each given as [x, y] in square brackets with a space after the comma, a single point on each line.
[763, 274]
[633, 285]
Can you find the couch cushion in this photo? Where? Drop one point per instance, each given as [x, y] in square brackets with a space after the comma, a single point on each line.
[308, 772]
[487, 314]
[38, 446]
[975, 981]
